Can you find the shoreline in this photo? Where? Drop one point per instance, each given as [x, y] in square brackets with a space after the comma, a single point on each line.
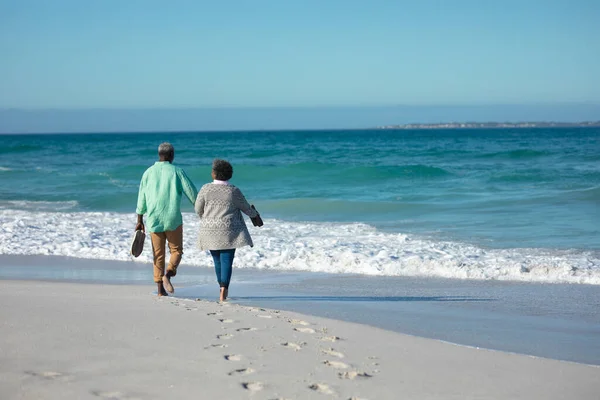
[232, 302]
[519, 318]
[125, 343]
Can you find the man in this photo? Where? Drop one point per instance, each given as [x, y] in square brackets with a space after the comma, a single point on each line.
[160, 199]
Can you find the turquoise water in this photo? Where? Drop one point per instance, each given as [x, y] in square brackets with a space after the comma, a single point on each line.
[516, 205]
[499, 204]
[495, 188]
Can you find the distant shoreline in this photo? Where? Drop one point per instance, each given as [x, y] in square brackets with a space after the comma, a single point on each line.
[423, 126]
[489, 125]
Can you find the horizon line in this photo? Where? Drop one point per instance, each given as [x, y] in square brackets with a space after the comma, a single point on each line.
[238, 107]
[580, 124]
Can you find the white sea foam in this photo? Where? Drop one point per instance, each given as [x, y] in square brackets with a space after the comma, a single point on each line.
[39, 205]
[5, 169]
[280, 245]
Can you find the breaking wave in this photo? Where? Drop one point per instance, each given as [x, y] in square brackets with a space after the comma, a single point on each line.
[318, 247]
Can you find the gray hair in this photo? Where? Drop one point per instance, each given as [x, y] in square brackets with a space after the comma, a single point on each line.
[222, 169]
[166, 149]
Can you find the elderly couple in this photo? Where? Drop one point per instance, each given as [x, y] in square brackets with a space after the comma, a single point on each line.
[219, 205]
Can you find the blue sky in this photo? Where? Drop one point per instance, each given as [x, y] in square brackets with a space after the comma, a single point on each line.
[74, 54]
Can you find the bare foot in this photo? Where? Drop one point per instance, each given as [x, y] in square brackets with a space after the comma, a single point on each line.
[222, 296]
[161, 290]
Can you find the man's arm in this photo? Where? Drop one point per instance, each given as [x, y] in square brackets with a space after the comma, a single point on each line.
[141, 206]
[188, 186]
[140, 223]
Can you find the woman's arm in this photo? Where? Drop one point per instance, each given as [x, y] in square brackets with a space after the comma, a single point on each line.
[200, 201]
[241, 203]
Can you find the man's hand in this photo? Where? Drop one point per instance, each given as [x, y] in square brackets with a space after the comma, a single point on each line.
[140, 224]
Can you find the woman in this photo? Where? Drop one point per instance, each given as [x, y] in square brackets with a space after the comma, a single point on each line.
[222, 226]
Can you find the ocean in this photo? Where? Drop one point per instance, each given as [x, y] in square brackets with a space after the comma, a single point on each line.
[483, 204]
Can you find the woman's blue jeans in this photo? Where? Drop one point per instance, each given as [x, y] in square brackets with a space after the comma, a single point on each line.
[223, 265]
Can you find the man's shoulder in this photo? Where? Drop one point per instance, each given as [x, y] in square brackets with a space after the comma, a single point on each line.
[178, 170]
[148, 171]
[152, 167]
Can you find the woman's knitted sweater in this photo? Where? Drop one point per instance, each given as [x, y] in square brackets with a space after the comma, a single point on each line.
[220, 210]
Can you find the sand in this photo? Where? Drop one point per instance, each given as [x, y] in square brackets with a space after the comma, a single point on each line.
[89, 341]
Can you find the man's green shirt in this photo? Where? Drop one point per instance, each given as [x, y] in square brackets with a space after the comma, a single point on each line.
[160, 196]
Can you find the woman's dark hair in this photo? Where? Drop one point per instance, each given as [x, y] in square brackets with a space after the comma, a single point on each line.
[222, 169]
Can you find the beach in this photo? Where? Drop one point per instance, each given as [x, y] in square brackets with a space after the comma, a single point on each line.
[75, 340]
[417, 265]
[266, 201]
[557, 321]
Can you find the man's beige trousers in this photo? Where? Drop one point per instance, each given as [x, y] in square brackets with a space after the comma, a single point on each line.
[159, 241]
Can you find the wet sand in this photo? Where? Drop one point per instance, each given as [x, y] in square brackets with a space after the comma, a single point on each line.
[78, 341]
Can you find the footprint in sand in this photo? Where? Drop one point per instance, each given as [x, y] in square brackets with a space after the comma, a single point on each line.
[214, 313]
[233, 357]
[336, 364]
[49, 375]
[112, 395]
[332, 352]
[305, 330]
[354, 375]
[298, 322]
[225, 336]
[246, 329]
[242, 371]
[331, 338]
[321, 388]
[216, 346]
[227, 321]
[293, 346]
[263, 316]
[253, 386]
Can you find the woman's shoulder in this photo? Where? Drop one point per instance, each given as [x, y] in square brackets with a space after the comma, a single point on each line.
[205, 188]
[235, 189]
[214, 187]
